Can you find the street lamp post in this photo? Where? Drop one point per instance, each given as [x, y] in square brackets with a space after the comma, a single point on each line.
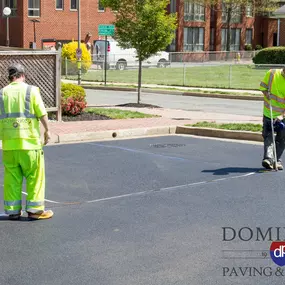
[35, 36]
[79, 52]
[7, 13]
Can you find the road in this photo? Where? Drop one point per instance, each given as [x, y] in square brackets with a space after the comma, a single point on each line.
[147, 211]
[213, 105]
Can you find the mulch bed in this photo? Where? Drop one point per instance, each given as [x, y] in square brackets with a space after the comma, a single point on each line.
[85, 117]
[136, 105]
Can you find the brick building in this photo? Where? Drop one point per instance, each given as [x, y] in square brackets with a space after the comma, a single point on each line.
[204, 28]
[57, 21]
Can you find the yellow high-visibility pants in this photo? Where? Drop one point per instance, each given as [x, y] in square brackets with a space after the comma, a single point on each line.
[17, 165]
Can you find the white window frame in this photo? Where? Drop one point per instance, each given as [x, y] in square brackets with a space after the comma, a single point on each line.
[100, 10]
[13, 9]
[234, 39]
[62, 5]
[34, 9]
[194, 12]
[73, 9]
[248, 33]
[191, 33]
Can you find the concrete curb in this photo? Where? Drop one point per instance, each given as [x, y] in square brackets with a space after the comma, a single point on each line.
[113, 134]
[153, 131]
[225, 134]
[181, 93]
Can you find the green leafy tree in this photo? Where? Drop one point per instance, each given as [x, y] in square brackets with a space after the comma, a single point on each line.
[143, 25]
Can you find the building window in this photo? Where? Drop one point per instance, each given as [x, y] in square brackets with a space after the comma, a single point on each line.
[12, 4]
[248, 37]
[59, 4]
[100, 6]
[193, 39]
[194, 12]
[235, 14]
[73, 4]
[173, 6]
[234, 39]
[34, 7]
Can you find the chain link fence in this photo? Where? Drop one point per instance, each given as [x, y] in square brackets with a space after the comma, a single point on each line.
[228, 72]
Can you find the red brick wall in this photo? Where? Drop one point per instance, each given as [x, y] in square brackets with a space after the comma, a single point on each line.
[15, 28]
[54, 24]
[62, 25]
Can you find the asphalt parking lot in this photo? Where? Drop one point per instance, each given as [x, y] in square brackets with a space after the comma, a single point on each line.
[147, 211]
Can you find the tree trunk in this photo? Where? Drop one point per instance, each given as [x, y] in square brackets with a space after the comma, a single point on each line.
[229, 18]
[139, 81]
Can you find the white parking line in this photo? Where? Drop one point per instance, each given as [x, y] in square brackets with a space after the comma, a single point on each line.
[171, 188]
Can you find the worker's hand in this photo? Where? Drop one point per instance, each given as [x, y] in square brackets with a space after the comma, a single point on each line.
[47, 137]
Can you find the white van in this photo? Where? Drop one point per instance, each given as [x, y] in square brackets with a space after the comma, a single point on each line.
[122, 58]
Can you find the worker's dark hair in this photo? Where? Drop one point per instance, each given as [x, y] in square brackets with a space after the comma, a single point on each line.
[15, 71]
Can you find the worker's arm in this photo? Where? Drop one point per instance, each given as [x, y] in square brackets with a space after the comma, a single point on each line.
[41, 113]
[47, 135]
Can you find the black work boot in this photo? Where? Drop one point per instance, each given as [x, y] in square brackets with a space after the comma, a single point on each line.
[267, 163]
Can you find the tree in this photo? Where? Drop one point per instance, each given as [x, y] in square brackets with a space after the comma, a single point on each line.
[232, 9]
[143, 25]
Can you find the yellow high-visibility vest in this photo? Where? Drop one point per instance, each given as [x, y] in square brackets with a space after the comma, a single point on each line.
[17, 117]
[274, 83]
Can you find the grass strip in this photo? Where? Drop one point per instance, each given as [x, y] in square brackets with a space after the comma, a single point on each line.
[229, 126]
[118, 114]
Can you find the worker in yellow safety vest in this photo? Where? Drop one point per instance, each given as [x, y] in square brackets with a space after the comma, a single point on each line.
[273, 89]
[21, 110]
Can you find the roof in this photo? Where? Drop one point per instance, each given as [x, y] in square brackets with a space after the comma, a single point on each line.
[280, 12]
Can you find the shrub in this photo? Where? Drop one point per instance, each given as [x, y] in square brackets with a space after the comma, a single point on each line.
[73, 99]
[69, 52]
[273, 55]
[258, 47]
[248, 47]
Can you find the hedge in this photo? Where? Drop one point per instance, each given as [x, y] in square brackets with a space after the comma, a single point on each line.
[272, 55]
[73, 99]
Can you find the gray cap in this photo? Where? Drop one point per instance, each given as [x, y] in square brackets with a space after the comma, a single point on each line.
[15, 69]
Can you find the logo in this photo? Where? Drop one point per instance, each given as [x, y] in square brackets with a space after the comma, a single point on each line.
[277, 252]
[15, 125]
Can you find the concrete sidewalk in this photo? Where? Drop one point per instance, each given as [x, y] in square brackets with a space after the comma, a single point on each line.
[167, 123]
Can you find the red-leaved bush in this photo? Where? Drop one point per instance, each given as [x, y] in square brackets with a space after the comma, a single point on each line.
[73, 99]
[73, 107]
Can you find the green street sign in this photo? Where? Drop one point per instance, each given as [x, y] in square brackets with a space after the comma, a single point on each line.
[106, 30]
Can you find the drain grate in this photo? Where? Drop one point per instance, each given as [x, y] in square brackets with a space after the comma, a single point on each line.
[167, 145]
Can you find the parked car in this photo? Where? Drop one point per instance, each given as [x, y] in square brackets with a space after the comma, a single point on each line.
[120, 58]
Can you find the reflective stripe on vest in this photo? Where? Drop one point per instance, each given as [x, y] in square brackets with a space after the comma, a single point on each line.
[27, 113]
[271, 80]
[275, 98]
[262, 84]
[275, 109]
